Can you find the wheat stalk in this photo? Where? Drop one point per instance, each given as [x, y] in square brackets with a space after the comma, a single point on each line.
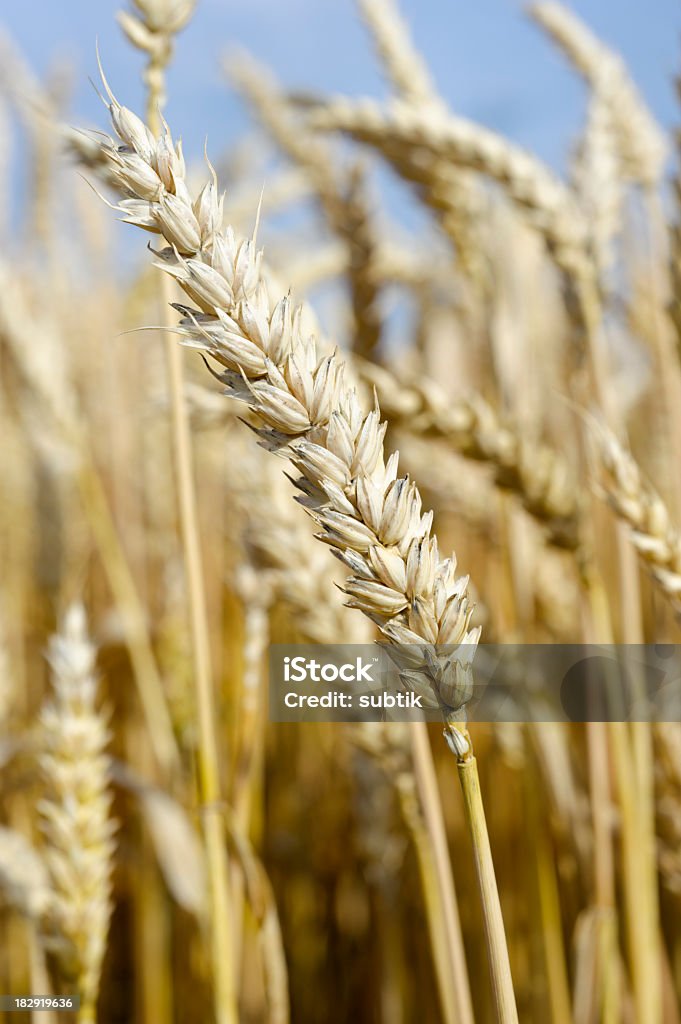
[403, 754]
[75, 812]
[153, 32]
[656, 540]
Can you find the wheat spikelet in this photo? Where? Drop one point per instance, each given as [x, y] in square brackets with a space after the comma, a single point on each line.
[409, 139]
[635, 502]
[367, 514]
[641, 145]
[75, 812]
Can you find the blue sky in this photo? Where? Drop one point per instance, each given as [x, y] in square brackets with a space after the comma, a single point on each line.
[490, 62]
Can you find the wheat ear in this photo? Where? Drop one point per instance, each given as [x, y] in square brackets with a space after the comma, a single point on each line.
[406, 70]
[409, 138]
[75, 812]
[641, 145]
[656, 540]
[369, 516]
[599, 186]
[450, 191]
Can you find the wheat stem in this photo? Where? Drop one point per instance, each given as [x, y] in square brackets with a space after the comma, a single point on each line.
[497, 948]
[159, 51]
[549, 909]
[454, 955]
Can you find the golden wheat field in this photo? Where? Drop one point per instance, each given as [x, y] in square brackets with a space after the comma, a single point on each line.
[169, 852]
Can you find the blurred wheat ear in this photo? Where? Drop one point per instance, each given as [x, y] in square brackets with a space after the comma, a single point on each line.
[75, 814]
